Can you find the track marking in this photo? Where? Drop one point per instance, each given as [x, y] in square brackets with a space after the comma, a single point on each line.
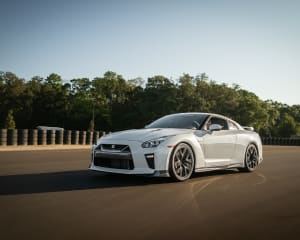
[197, 191]
[262, 181]
[194, 191]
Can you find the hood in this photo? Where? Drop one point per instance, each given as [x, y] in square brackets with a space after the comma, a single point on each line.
[145, 134]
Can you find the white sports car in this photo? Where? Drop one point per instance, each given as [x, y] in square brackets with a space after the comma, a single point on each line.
[177, 145]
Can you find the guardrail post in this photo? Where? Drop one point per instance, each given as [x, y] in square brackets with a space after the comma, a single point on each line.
[33, 137]
[3, 137]
[67, 137]
[89, 138]
[82, 137]
[12, 137]
[23, 137]
[96, 136]
[42, 137]
[75, 137]
[59, 137]
[51, 137]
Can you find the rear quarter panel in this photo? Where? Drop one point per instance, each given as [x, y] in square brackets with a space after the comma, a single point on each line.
[244, 138]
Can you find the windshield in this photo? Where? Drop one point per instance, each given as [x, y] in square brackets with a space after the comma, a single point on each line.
[186, 121]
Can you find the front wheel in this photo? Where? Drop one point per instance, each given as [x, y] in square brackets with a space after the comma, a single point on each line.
[182, 162]
[251, 158]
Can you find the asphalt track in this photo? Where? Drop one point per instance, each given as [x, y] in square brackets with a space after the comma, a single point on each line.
[52, 195]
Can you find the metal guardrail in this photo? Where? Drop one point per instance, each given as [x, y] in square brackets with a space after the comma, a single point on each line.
[24, 137]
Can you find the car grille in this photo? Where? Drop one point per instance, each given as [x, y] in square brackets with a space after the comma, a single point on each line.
[113, 148]
[113, 156]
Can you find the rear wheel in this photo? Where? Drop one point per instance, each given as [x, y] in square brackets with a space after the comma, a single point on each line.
[251, 158]
[182, 162]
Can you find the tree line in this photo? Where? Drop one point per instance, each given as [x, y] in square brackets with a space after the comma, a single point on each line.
[113, 103]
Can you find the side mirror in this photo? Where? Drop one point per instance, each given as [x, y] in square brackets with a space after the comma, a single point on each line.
[215, 127]
[248, 128]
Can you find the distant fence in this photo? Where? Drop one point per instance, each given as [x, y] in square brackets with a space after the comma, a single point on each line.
[24, 137]
[14, 137]
[281, 141]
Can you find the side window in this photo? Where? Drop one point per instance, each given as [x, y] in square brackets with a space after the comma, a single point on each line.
[220, 121]
[232, 126]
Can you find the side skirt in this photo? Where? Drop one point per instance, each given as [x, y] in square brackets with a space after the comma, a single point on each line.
[206, 169]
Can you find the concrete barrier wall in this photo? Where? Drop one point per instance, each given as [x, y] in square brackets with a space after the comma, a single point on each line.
[14, 137]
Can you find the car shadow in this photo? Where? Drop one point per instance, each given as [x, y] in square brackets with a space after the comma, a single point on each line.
[68, 181]
[80, 180]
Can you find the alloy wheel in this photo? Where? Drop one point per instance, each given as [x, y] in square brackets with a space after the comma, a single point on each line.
[182, 162]
[251, 158]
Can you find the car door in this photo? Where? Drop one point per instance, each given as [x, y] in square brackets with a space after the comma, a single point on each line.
[218, 146]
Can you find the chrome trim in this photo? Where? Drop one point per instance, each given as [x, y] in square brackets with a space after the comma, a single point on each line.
[102, 149]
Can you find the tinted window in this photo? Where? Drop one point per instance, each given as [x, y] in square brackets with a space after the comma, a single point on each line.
[220, 121]
[188, 121]
[232, 126]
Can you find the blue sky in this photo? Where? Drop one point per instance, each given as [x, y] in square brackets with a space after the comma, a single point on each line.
[255, 44]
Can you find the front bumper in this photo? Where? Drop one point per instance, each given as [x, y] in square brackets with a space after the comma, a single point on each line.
[139, 166]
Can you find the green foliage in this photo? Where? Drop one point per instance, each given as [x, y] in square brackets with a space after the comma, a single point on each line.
[117, 104]
[54, 81]
[10, 122]
[91, 126]
[287, 126]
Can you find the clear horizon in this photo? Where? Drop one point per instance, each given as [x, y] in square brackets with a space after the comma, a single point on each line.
[253, 44]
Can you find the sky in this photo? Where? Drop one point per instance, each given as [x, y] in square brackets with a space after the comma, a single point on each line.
[255, 44]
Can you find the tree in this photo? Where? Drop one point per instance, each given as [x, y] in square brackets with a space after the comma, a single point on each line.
[91, 126]
[14, 96]
[186, 94]
[10, 122]
[54, 80]
[287, 126]
[159, 98]
[81, 86]
[120, 104]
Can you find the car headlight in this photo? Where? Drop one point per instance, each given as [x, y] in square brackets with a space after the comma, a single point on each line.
[154, 142]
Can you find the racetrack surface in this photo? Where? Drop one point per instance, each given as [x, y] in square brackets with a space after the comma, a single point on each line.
[52, 195]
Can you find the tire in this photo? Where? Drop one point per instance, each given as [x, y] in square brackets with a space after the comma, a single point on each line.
[182, 162]
[251, 159]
